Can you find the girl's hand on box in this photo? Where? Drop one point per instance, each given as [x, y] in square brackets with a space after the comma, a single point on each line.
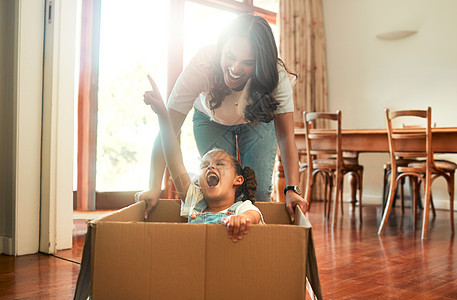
[239, 225]
[151, 197]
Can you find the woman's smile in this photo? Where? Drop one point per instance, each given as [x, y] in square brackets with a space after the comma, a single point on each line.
[237, 62]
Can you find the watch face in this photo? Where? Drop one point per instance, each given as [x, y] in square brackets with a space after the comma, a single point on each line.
[294, 188]
[298, 190]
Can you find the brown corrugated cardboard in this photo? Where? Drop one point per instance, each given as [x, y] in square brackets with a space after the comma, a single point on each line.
[166, 258]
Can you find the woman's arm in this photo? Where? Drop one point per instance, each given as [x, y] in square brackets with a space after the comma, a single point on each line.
[284, 128]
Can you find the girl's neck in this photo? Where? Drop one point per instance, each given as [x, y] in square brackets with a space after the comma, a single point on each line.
[217, 206]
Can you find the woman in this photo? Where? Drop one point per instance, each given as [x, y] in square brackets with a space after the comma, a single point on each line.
[242, 94]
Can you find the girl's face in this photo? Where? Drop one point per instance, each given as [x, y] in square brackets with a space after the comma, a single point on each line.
[217, 175]
[237, 62]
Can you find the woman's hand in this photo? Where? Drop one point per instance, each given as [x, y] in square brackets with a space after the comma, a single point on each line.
[151, 197]
[293, 199]
[154, 99]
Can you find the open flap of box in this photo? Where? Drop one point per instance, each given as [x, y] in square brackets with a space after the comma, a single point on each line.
[312, 274]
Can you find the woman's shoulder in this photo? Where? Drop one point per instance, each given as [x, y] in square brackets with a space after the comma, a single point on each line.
[206, 55]
[284, 74]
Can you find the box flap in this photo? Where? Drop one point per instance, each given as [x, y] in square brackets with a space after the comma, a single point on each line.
[167, 210]
[82, 290]
[312, 274]
[274, 213]
[268, 263]
[134, 212]
[132, 262]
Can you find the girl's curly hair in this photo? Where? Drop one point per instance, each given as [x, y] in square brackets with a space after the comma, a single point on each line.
[248, 188]
[265, 77]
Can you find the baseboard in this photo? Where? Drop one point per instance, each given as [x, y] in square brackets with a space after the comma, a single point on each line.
[441, 204]
[6, 245]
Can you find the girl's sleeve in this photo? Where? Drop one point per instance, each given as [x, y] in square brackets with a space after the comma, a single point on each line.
[194, 80]
[193, 196]
[283, 92]
[247, 205]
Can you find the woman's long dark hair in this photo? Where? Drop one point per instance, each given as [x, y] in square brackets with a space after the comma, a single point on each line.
[265, 77]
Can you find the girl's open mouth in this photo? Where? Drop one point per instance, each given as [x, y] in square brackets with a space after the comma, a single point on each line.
[212, 179]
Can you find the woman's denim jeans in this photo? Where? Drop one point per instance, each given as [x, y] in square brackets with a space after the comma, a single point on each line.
[257, 147]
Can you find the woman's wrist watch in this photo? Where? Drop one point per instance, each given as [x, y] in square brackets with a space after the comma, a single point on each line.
[294, 188]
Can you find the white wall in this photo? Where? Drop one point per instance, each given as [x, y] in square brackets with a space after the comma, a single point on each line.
[27, 102]
[366, 74]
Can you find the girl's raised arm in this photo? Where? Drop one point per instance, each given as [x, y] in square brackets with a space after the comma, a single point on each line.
[170, 145]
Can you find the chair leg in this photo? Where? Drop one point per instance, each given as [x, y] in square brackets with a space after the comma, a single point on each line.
[325, 178]
[385, 188]
[402, 198]
[451, 196]
[414, 197]
[330, 193]
[433, 205]
[360, 194]
[337, 196]
[341, 194]
[309, 186]
[326, 193]
[428, 179]
[385, 217]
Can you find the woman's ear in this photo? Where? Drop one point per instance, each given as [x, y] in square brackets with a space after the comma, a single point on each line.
[238, 180]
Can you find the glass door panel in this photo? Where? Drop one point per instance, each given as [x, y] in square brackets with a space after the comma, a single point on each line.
[133, 43]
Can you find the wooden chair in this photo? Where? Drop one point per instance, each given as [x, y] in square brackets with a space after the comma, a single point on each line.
[416, 143]
[328, 160]
[400, 188]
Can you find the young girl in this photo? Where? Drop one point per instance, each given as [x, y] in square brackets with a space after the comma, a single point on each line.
[221, 184]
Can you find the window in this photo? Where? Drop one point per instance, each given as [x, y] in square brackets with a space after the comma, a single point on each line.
[133, 43]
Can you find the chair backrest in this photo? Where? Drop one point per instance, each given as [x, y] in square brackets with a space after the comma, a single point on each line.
[329, 139]
[410, 142]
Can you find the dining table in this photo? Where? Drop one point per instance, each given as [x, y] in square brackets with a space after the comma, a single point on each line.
[444, 140]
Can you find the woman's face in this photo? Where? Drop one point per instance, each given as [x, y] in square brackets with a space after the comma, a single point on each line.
[237, 62]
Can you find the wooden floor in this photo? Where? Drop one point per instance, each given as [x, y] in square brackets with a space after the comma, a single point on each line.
[354, 263]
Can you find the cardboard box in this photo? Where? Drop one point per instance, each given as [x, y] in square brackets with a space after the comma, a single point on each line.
[166, 258]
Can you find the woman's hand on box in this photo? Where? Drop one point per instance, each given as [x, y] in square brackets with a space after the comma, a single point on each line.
[293, 200]
[151, 197]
